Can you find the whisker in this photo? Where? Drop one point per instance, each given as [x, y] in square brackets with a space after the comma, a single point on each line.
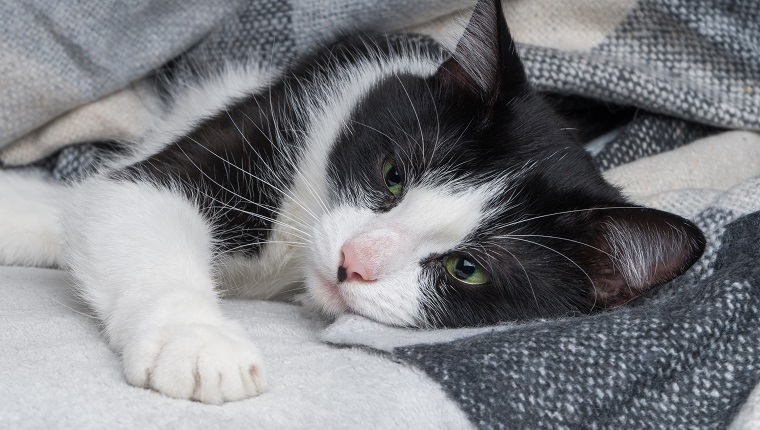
[527, 277]
[274, 174]
[593, 285]
[568, 212]
[289, 159]
[414, 109]
[239, 196]
[233, 192]
[561, 238]
[259, 243]
[262, 217]
[84, 314]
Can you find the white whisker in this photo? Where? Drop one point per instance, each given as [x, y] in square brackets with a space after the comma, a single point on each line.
[593, 285]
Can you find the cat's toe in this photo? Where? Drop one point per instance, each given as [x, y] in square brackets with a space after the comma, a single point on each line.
[209, 364]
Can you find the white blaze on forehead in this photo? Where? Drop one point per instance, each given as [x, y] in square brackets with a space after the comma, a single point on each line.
[428, 220]
[328, 108]
[438, 218]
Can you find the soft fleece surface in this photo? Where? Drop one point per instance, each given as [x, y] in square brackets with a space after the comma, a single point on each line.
[57, 373]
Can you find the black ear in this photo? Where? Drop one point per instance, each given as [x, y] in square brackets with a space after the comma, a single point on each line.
[635, 249]
[485, 59]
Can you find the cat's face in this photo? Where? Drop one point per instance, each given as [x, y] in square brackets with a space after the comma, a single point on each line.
[459, 200]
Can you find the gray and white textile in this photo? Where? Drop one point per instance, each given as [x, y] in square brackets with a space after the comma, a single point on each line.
[686, 356]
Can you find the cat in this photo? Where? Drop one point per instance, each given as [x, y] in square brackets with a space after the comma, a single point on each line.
[379, 176]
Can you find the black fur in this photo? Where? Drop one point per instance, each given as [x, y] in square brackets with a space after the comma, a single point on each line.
[560, 261]
[219, 156]
[484, 119]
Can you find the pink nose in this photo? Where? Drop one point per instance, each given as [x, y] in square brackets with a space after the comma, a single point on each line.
[368, 256]
[353, 267]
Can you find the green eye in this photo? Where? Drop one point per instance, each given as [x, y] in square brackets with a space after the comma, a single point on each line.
[392, 177]
[464, 269]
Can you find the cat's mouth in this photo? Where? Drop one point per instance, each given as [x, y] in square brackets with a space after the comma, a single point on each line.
[330, 294]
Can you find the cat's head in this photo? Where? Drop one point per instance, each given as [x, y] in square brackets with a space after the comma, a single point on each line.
[459, 200]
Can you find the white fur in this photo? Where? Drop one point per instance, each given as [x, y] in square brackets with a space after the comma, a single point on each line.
[326, 112]
[395, 297]
[276, 271]
[142, 257]
[196, 102]
[639, 250]
[30, 205]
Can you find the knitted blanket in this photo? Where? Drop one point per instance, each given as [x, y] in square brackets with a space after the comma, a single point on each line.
[641, 77]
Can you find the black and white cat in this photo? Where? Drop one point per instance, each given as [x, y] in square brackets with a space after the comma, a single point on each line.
[377, 177]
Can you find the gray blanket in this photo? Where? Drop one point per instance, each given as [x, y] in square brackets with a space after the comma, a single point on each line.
[682, 357]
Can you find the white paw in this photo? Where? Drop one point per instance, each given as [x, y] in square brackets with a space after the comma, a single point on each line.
[207, 363]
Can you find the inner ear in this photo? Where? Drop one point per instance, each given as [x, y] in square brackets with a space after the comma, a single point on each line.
[634, 249]
[486, 60]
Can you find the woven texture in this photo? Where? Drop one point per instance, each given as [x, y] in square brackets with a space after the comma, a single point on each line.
[683, 360]
[697, 60]
[56, 57]
[649, 134]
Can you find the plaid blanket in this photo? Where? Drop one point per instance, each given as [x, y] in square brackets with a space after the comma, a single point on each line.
[641, 77]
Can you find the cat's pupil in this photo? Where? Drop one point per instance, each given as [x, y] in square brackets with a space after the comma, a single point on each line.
[393, 180]
[392, 177]
[464, 268]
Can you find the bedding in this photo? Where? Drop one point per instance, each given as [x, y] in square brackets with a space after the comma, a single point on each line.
[684, 79]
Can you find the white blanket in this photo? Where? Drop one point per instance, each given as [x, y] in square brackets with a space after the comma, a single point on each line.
[57, 372]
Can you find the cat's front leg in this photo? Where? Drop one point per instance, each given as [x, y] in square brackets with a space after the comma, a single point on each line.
[211, 363]
[142, 257]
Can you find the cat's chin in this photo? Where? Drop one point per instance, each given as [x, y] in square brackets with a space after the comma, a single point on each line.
[326, 295]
